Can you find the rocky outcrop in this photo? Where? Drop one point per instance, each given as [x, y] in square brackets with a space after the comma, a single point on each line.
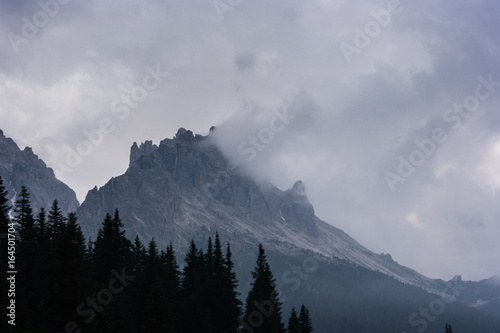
[184, 189]
[23, 168]
[146, 148]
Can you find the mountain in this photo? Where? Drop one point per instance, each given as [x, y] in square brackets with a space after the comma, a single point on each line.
[185, 188]
[23, 168]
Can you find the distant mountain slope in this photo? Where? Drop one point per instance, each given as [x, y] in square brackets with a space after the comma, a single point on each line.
[24, 168]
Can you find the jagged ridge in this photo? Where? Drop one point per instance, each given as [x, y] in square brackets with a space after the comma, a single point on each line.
[182, 187]
[24, 168]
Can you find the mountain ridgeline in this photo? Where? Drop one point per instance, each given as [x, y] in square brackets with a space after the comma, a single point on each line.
[185, 189]
[23, 168]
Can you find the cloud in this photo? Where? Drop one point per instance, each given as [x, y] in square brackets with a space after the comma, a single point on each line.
[351, 120]
[245, 61]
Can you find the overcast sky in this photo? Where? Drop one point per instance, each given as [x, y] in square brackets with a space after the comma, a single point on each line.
[389, 113]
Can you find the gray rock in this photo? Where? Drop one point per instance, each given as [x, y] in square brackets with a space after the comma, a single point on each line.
[185, 189]
[23, 168]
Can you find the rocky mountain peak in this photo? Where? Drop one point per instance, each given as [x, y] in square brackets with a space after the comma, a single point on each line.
[137, 151]
[298, 190]
[23, 168]
[184, 136]
[181, 189]
[299, 187]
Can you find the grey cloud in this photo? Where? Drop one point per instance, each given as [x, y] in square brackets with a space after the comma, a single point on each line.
[351, 123]
[245, 61]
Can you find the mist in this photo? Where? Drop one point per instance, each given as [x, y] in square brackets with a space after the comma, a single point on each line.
[386, 110]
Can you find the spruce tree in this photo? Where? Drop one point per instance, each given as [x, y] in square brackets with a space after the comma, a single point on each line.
[43, 245]
[138, 256]
[112, 250]
[229, 293]
[68, 282]
[170, 275]
[194, 310]
[56, 218]
[305, 320]
[23, 217]
[152, 262]
[140, 291]
[151, 272]
[41, 222]
[209, 259]
[263, 308]
[293, 323]
[42, 238]
[212, 285]
[27, 260]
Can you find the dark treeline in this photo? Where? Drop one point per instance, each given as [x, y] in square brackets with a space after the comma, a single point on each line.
[66, 283]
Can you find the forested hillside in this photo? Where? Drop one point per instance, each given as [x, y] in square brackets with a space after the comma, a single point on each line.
[65, 283]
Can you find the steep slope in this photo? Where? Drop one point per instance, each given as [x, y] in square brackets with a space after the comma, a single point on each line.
[185, 189]
[182, 189]
[24, 168]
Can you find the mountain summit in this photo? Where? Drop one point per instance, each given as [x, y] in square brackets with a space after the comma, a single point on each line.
[23, 168]
[183, 188]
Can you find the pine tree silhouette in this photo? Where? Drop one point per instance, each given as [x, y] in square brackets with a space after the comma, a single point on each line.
[26, 248]
[112, 250]
[194, 312]
[170, 275]
[263, 308]
[305, 320]
[293, 322]
[55, 218]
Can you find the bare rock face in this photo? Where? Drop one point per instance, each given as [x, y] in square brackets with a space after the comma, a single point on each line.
[23, 168]
[185, 189]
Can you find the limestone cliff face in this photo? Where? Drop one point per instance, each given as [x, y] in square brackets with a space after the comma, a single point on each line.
[24, 168]
[183, 189]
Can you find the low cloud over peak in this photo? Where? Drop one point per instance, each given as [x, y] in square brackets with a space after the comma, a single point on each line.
[333, 93]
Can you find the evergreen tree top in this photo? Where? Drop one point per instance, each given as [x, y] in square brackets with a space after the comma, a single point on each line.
[305, 320]
[293, 322]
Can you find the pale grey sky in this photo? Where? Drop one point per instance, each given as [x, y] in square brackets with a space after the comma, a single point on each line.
[388, 111]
